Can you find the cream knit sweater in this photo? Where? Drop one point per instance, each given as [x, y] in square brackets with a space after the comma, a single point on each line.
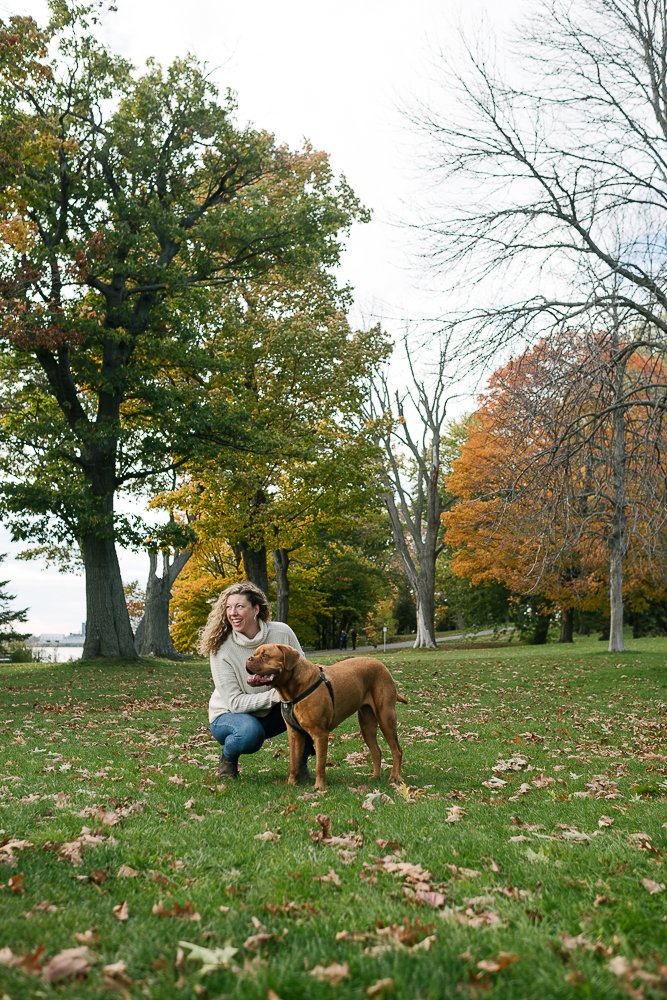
[232, 693]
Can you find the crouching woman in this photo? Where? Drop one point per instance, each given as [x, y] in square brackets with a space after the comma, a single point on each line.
[241, 718]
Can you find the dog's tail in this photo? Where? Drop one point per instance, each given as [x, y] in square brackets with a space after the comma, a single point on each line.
[404, 701]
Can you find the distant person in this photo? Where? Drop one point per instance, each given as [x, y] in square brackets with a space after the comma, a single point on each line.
[241, 718]
[342, 639]
[353, 638]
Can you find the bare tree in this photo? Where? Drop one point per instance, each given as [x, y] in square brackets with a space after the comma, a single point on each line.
[559, 174]
[558, 211]
[410, 470]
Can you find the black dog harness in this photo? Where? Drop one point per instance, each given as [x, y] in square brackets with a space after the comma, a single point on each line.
[287, 707]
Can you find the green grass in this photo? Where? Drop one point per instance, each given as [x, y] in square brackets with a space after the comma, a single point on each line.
[454, 885]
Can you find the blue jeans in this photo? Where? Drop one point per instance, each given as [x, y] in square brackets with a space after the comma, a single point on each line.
[240, 732]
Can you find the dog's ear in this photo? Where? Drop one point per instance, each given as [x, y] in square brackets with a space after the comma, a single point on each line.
[290, 657]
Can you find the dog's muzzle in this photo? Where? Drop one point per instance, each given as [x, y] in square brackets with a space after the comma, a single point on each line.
[256, 680]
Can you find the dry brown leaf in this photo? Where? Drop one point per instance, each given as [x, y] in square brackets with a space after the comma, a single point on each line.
[72, 963]
[117, 971]
[125, 871]
[255, 941]
[379, 988]
[121, 911]
[455, 814]
[72, 851]
[91, 936]
[497, 964]
[267, 835]
[619, 966]
[333, 974]
[324, 835]
[185, 910]
[430, 898]
[331, 876]
[653, 887]
[15, 884]
[7, 849]
[46, 906]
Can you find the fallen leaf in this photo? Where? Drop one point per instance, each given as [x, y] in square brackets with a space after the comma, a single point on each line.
[186, 910]
[46, 906]
[653, 887]
[7, 850]
[15, 884]
[333, 974]
[126, 872]
[71, 963]
[619, 966]
[454, 815]
[379, 988]
[267, 835]
[331, 876]
[91, 936]
[324, 835]
[121, 911]
[430, 898]
[497, 964]
[211, 958]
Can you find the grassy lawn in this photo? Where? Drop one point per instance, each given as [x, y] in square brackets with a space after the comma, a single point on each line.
[524, 857]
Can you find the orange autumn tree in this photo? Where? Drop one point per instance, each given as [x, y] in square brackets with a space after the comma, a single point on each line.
[563, 461]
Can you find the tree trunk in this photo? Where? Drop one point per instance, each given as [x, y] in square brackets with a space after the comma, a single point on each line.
[616, 643]
[425, 638]
[108, 630]
[153, 637]
[281, 563]
[567, 626]
[617, 535]
[541, 630]
[255, 567]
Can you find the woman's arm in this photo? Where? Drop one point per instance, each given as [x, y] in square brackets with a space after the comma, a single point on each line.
[236, 698]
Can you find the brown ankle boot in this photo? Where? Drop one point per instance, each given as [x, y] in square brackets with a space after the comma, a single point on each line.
[227, 768]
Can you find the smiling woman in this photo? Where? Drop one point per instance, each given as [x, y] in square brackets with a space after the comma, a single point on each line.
[242, 718]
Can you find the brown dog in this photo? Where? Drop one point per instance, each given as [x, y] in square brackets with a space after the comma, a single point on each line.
[315, 703]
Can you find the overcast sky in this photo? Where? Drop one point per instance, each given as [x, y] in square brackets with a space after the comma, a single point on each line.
[339, 74]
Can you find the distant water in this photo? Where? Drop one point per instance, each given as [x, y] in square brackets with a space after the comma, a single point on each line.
[57, 654]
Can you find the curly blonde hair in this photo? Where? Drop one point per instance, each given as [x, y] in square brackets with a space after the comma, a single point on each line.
[217, 627]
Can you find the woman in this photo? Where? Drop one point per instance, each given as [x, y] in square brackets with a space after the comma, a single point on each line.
[241, 717]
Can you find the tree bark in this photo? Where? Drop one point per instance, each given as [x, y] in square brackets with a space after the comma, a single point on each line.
[108, 630]
[425, 638]
[281, 562]
[255, 566]
[153, 637]
[567, 626]
[617, 535]
[541, 630]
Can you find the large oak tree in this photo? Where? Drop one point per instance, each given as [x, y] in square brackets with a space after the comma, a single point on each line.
[127, 201]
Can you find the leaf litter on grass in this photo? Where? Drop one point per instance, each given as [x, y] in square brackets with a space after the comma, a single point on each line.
[601, 755]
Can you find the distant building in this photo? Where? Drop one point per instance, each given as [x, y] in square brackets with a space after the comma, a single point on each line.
[50, 638]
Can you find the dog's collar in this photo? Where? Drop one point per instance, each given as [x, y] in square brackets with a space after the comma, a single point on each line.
[287, 707]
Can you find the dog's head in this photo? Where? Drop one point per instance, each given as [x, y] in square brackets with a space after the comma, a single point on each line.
[270, 664]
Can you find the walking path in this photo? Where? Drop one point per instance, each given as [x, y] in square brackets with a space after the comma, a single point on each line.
[403, 644]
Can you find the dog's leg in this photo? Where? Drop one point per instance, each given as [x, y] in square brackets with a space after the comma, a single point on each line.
[321, 741]
[388, 725]
[368, 725]
[297, 742]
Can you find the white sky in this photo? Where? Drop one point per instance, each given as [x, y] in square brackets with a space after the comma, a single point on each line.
[337, 73]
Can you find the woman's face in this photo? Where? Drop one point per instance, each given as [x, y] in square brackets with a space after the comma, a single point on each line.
[242, 615]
